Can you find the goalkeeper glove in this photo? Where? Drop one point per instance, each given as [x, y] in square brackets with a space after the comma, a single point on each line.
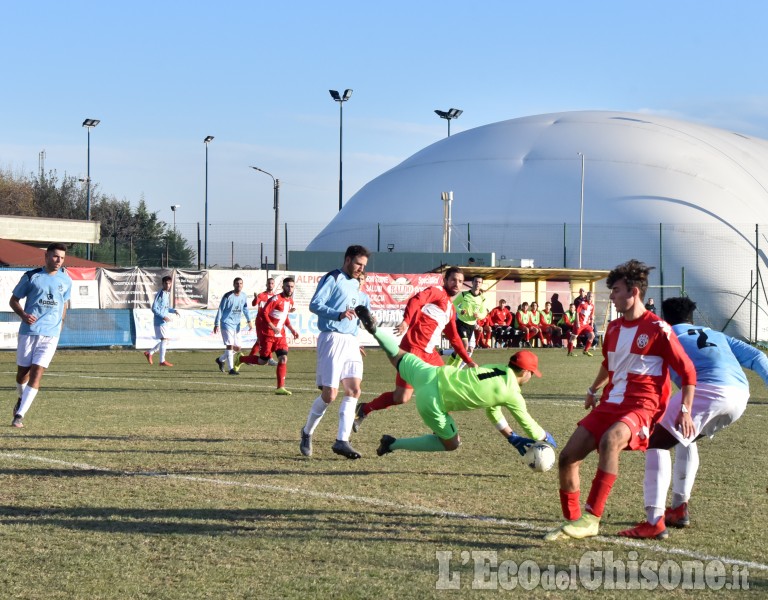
[549, 439]
[520, 443]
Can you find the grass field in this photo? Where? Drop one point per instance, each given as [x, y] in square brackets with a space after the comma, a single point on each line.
[137, 482]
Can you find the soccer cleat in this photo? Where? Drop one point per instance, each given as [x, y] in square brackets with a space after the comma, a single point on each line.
[588, 525]
[587, 353]
[366, 319]
[236, 362]
[17, 422]
[283, 392]
[233, 372]
[677, 517]
[220, 363]
[148, 356]
[305, 447]
[272, 362]
[557, 535]
[344, 449]
[165, 363]
[359, 416]
[385, 445]
[647, 531]
[571, 354]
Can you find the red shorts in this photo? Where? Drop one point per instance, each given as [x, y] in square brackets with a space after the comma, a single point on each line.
[431, 358]
[268, 345]
[639, 420]
[582, 329]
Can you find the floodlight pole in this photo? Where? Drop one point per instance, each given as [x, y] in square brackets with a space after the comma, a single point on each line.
[276, 187]
[208, 139]
[341, 99]
[89, 124]
[448, 115]
[581, 212]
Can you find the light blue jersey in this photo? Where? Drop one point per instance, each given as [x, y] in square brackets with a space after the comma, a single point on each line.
[336, 293]
[719, 358]
[231, 310]
[162, 306]
[47, 295]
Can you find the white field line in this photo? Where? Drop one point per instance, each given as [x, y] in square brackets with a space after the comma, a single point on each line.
[292, 491]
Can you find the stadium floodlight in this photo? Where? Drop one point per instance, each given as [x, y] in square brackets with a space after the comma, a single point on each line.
[341, 99]
[89, 124]
[448, 115]
[208, 139]
[276, 187]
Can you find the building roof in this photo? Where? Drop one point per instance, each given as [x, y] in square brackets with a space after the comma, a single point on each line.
[15, 254]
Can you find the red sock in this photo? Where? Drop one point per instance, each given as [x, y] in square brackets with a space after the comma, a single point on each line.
[598, 493]
[386, 400]
[251, 359]
[570, 345]
[569, 501]
[587, 346]
[282, 369]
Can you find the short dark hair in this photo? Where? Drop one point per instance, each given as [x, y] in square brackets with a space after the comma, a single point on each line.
[236, 279]
[634, 273]
[452, 271]
[355, 251]
[167, 278]
[678, 310]
[56, 246]
[289, 279]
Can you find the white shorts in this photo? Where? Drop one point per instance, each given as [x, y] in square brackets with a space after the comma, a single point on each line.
[338, 358]
[162, 331]
[714, 407]
[36, 350]
[231, 337]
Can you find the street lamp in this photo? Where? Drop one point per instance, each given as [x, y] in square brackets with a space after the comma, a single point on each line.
[89, 124]
[276, 184]
[581, 213]
[173, 208]
[208, 139]
[452, 113]
[341, 100]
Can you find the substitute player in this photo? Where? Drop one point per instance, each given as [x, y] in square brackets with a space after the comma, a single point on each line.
[161, 311]
[426, 315]
[232, 308]
[441, 390]
[271, 324]
[638, 352]
[721, 395]
[47, 290]
[585, 315]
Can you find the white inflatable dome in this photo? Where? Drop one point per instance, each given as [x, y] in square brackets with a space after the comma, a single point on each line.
[689, 199]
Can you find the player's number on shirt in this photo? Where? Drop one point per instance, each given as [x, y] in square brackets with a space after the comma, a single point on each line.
[702, 341]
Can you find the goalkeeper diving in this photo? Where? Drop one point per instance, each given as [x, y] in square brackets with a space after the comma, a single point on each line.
[442, 390]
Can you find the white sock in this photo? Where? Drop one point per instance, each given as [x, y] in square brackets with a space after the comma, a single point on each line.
[686, 466]
[20, 387]
[163, 348]
[346, 417]
[230, 359]
[658, 473]
[26, 400]
[315, 414]
[156, 347]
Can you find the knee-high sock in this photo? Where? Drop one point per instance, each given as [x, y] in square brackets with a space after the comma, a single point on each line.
[316, 413]
[658, 475]
[20, 387]
[26, 400]
[231, 359]
[686, 466]
[282, 369]
[425, 443]
[386, 400]
[347, 408]
[598, 493]
[156, 347]
[387, 341]
[569, 502]
[163, 348]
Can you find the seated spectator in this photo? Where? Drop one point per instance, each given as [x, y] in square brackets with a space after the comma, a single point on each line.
[523, 323]
[552, 333]
[483, 333]
[500, 322]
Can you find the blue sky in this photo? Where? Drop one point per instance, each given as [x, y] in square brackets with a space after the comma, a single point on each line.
[162, 75]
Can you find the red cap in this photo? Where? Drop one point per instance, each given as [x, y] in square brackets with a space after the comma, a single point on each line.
[526, 360]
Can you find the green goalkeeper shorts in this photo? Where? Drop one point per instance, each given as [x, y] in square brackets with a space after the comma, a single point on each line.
[423, 377]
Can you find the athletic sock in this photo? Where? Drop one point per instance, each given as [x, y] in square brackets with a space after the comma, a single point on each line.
[570, 503]
[316, 413]
[230, 354]
[26, 400]
[686, 466]
[387, 341]
[156, 347]
[658, 475]
[599, 492]
[20, 387]
[425, 443]
[386, 400]
[282, 369]
[346, 417]
[163, 348]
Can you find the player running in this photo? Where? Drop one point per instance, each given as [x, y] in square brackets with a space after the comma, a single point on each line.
[721, 395]
[271, 322]
[426, 315]
[259, 300]
[440, 390]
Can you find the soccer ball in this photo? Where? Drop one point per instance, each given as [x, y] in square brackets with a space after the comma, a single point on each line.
[540, 457]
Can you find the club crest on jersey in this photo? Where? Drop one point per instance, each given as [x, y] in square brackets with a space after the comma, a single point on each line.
[642, 340]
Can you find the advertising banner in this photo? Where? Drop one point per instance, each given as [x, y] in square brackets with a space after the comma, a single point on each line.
[85, 287]
[129, 288]
[190, 289]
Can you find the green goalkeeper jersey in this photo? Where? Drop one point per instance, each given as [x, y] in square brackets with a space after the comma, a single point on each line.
[491, 387]
[470, 308]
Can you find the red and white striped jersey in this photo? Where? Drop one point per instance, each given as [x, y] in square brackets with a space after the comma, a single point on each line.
[275, 311]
